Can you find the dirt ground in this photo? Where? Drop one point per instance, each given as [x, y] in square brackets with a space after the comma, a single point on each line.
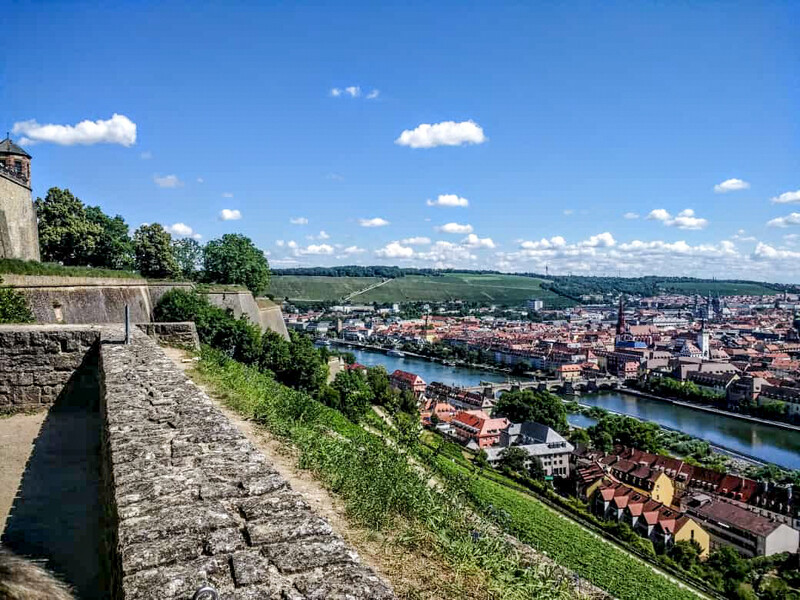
[17, 434]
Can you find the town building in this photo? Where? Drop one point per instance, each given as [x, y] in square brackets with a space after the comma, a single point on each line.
[540, 441]
[403, 380]
[478, 428]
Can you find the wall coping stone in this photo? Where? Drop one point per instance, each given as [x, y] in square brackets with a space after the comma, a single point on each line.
[195, 503]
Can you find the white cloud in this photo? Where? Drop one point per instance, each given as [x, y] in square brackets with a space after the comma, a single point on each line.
[605, 240]
[790, 219]
[731, 185]
[182, 230]
[167, 181]
[448, 200]
[353, 90]
[395, 250]
[685, 219]
[630, 215]
[280, 243]
[787, 198]
[569, 211]
[373, 94]
[334, 177]
[336, 92]
[416, 241]
[298, 221]
[227, 194]
[119, 129]
[292, 244]
[455, 228]
[146, 155]
[315, 250]
[446, 254]
[374, 222]
[447, 133]
[230, 214]
[323, 236]
[554, 242]
[473, 241]
[764, 251]
[353, 250]
[200, 180]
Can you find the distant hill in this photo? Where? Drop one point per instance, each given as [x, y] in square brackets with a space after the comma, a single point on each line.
[394, 284]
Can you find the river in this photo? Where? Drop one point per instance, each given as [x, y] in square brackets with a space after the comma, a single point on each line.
[763, 442]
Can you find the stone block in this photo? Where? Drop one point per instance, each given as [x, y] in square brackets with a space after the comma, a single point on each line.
[222, 541]
[350, 582]
[308, 554]
[137, 557]
[180, 580]
[249, 567]
[287, 526]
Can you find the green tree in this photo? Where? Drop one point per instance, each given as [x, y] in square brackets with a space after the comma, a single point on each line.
[66, 235]
[154, 258]
[408, 429]
[275, 353]
[626, 431]
[481, 461]
[114, 246]
[355, 394]
[527, 405]
[536, 470]
[514, 458]
[686, 553]
[234, 259]
[378, 379]
[14, 306]
[579, 436]
[306, 371]
[189, 255]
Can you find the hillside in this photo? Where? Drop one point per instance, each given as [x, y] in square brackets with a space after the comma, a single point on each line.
[334, 284]
[482, 288]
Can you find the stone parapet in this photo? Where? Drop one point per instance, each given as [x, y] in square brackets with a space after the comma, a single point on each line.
[183, 335]
[194, 503]
[37, 362]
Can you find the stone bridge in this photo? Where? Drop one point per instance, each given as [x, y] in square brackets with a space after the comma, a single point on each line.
[139, 488]
[582, 385]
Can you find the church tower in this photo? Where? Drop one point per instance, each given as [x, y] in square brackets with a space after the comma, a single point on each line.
[19, 234]
[703, 341]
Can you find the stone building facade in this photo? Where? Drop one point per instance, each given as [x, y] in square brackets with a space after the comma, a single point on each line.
[19, 235]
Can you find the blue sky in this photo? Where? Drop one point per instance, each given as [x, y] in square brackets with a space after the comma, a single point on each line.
[565, 117]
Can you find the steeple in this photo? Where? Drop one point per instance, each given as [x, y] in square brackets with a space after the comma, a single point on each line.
[620, 317]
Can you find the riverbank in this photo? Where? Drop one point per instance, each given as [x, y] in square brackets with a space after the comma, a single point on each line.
[711, 409]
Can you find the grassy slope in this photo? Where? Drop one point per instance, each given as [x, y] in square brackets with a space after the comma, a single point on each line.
[32, 267]
[381, 491]
[502, 289]
[317, 289]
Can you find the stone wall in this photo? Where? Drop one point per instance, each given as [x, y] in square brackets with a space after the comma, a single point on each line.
[183, 335]
[37, 362]
[19, 234]
[195, 503]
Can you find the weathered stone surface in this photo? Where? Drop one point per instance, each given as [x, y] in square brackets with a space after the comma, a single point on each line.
[307, 554]
[287, 526]
[342, 583]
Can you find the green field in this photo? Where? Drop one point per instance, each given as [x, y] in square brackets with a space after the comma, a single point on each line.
[499, 289]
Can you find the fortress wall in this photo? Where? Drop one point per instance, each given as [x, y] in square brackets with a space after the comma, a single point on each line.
[80, 300]
[37, 363]
[195, 503]
[19, 235]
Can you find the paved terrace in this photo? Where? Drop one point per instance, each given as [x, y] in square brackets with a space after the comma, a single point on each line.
[185, 500]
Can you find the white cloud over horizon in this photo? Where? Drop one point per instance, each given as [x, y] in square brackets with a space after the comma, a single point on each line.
[455, 228]
[685, 219]
[373, 222]
[416, 241]
[630, 216]
[787, 198]
[731, 185]
[473, 241]
[230, 214]
[446, 133]
[790, 219]
[167, 181]
[449, 200]
[298, 221]
[119, 129]
[182, 230]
